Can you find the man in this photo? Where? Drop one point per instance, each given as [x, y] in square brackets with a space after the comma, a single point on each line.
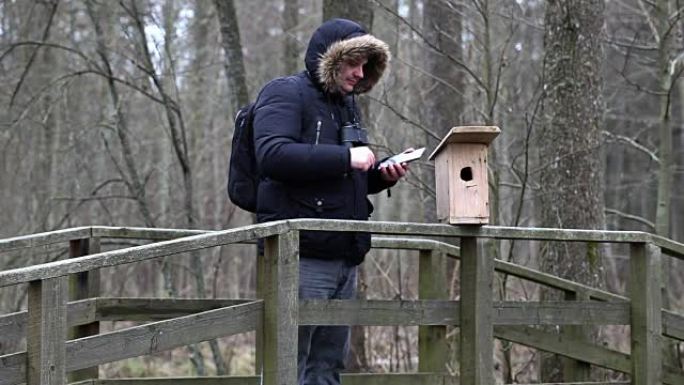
[311, 168]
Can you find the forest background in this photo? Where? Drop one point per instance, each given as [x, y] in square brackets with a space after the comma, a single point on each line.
[120, 113]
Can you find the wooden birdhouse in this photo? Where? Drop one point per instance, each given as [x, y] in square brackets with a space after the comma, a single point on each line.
[461, 175]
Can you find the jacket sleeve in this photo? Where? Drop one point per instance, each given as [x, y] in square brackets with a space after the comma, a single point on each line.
[375, 181]
[280, 153]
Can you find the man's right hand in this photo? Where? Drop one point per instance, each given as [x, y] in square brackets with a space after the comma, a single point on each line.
[362, 158]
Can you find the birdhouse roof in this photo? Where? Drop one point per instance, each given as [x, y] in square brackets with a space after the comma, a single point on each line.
[467, 134]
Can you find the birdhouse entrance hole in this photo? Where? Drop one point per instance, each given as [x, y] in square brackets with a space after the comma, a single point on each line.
[466, 174]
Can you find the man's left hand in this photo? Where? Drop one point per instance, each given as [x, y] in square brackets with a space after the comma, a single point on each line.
[393, 172]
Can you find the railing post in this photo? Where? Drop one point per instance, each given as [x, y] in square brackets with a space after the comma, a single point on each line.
[574, 370]
[646, 303]
[259, 332]
[432, 345]
[46, 332]
[82, 286]
[477, 333]
[281, 285]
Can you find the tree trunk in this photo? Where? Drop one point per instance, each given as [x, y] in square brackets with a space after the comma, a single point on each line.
[232, 50]
[443, 102]
[665, 40]
[291, 46]
[179, 141]
[569, 149]
[360, 11]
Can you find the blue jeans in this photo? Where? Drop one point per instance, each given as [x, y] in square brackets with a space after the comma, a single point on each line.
[323, 349]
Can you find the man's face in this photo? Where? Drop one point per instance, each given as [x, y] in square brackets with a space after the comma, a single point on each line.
[351, 74]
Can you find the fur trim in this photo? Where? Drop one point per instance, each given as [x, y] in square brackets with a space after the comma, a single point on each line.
[354, 50]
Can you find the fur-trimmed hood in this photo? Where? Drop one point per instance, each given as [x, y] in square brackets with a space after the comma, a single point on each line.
[340, 40]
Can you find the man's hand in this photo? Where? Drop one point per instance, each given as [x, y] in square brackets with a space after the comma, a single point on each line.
[393, 172]
[362, 158]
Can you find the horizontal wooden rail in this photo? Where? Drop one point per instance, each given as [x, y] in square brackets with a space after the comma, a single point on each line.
[145, 339]
[494, 232]
[435, 312]
[42, 239]
[670, 247]
[140, 253]
[579, 350]
[13, 326]
[347, 379]
[500, 266]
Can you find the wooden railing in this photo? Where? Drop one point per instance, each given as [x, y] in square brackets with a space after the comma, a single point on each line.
[277, 312]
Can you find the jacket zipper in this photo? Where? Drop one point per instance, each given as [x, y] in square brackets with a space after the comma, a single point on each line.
[318, 131]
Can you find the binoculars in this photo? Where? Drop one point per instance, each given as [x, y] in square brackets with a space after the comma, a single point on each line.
[352, 135]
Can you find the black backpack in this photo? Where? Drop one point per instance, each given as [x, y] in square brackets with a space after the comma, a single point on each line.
[243, 175]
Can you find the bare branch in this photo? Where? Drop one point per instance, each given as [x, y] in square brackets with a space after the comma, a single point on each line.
[649, 21]
[436, 49]
[631, 217]
[405, 118]
[34, 54]
[634, 144]
[42, 44]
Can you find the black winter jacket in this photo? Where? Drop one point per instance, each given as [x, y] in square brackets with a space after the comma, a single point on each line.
[305, 171]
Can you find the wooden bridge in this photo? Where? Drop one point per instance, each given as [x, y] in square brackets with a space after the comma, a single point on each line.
[51, 355]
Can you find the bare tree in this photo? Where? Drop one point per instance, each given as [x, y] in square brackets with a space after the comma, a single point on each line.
[666, 15]
[232, 48]
[570, 142]
[443, 89]
[291, 46]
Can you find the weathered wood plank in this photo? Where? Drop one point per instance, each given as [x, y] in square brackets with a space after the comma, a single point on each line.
[583, 351]
[495, 232]
[555, 282]
[378, 312]
[559, 344]
[140, 253]
[584, 383]
[477, 342]
[499, 266]
[399, 379]
[46, 332]
[561, 313]
[141, 340]
[84, 285]
[347, 379]
[13, 325]
[144, 232]
[218, 380]
[162, 335]
[13, 369]
[673, 248]
[673, 325]
[404, 228]
[259, 335]
[41, 239]
[338, 312]
[433, 350]
[150, 309]
[441, 312]
[668, 246]
[281, 278]
[256, 231]
[575, 370]
[646, 301]
[380, 242]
